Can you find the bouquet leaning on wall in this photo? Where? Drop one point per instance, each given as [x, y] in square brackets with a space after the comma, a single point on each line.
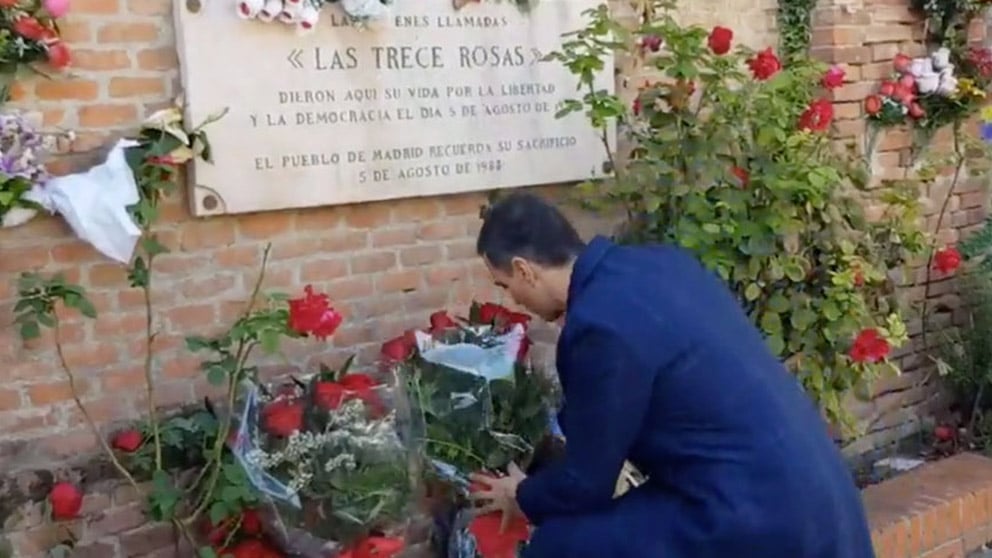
[327, 455]
[476, 405]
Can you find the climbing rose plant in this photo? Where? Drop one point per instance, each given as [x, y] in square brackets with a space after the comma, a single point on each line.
[726, 152]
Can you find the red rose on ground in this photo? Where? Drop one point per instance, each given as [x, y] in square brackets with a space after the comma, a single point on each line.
[869, 346]
[66, 500]
[58, 55]
[916, 111]
[651, 43]
[30, 28]
[818, 116]
[873, 105]
[901, 63]
[834, 77]
[399, 348]
[741, 174]
[441, 321]
[312, 315]
[943, 433]
[491, 543]
[764, 65]
[947, 260]
[127, 441]
[887, 89]
[282, 417]
[719, 40]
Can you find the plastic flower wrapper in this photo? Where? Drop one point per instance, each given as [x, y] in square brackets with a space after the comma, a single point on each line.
[327, 455]
[475, 403]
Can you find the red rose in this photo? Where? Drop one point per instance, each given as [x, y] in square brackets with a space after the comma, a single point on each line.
[887, 89]
[869, 346]
[490, 312]
[441, 321]
[901, 63]
[651, 43]
[719, 40]
[947, 260]
[741, 174]
[251, 548]
[58, 55]
[312, 315]
[873, 105]
[362, 386]
[66, 501]
[908, 81]
[764, 65]
[251, 522]
[916, 111]
[834, 77]
[127, 441]
[282, 417]
[818, 116]
[903, 94]
[943, 433]
[30, 28]
[400, 348]
[491, 542]
[328, 395]
[375, 547]
[636, 107]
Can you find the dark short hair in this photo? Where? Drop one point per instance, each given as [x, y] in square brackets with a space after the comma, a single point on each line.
[526, 226]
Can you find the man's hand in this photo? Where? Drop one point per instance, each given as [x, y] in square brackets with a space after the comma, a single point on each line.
[498, 494]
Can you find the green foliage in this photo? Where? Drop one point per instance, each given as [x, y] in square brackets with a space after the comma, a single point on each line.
[37, 299]
[947, 20]
[795, 27]
[790, 235]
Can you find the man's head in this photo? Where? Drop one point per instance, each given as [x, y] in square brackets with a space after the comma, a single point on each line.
[529, 247]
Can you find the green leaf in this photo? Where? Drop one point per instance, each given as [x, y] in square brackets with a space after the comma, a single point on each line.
[218, 512]
[217, 375]
[803, 318]
[30, 330]
[771, 323]
[753, 292]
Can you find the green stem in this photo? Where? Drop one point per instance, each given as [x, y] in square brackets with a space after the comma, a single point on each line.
[456, 447]
[959, 166]
[149, 361]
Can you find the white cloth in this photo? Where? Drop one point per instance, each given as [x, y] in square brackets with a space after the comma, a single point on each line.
[95, 203]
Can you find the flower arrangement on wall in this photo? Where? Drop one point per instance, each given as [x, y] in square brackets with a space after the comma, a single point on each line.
[22, 150]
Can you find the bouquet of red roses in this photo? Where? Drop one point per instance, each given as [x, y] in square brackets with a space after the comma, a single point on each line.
[327, 454]
[475, 405]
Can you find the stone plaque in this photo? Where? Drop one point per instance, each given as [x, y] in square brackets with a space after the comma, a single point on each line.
[428, 100]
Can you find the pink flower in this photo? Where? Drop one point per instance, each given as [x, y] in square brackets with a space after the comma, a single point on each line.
[834, 77]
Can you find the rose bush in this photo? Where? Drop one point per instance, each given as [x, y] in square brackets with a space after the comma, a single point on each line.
[727, 153]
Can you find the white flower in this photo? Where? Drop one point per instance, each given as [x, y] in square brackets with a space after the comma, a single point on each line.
[941, 58]
[948, 86]
[921, 67]
[927, 83]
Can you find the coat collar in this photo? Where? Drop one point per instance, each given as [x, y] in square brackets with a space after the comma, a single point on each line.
[586, 264]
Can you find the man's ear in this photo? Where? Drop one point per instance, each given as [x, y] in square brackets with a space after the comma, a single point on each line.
[524, 268]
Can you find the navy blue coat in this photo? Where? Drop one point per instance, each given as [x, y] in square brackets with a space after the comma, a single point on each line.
[660, 365]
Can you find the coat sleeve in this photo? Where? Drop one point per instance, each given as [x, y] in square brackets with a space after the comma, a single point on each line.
[607, 398]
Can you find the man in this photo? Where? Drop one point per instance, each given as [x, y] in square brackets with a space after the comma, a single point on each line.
[660, 366]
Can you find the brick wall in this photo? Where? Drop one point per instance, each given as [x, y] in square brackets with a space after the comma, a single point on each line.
[863, 36]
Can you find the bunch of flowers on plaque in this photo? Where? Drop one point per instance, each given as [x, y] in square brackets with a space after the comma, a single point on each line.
[305, 14]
